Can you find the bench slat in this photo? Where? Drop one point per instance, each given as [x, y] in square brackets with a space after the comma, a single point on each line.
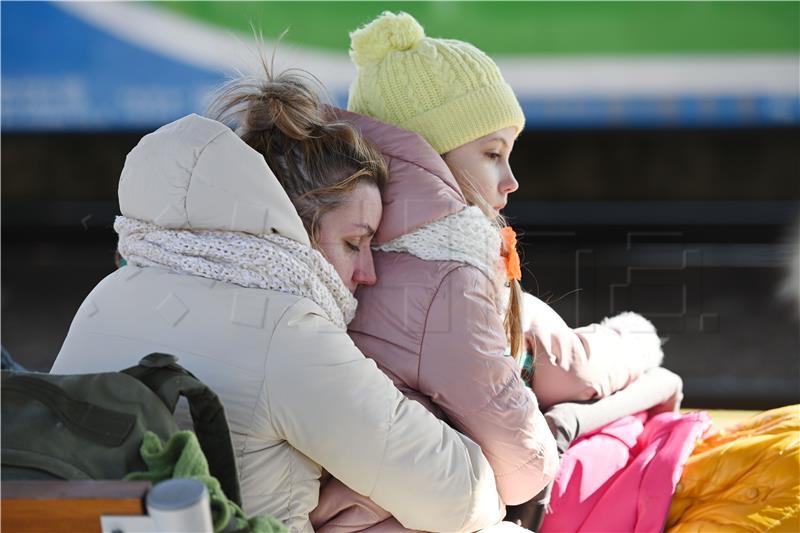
[68, 506]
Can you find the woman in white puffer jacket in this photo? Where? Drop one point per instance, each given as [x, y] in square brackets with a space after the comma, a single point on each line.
[245, 270]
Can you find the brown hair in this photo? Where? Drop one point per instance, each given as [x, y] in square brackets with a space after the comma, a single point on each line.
[513, 319]
[316, 157]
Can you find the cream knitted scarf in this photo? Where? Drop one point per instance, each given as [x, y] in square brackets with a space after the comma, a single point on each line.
[467, 236]
[268, 262]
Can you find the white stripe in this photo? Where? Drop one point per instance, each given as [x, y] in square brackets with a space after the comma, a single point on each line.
[206, 46]
[654, 76]
[211, 48]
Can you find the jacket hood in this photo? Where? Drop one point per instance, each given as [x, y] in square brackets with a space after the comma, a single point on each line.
[420, 188]
[197, 174]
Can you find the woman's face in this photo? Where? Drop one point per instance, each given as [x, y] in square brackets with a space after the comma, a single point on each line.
[484, 162]
[345, 235]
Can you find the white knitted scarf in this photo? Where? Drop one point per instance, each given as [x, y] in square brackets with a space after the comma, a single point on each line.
[467, 236]
[268, 262]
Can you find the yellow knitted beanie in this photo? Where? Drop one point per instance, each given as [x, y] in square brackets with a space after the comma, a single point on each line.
[448, 91]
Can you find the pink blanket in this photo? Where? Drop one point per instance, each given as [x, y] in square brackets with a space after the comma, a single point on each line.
[621, 477]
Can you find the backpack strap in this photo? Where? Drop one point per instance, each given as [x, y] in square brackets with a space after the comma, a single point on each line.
[161, 373]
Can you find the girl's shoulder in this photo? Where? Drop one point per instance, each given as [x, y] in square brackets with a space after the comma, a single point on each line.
[419, 280]
[408, 288]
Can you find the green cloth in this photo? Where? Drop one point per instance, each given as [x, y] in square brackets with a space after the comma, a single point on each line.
[182, 457]
[525, 362]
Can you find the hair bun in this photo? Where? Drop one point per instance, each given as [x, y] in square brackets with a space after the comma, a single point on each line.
[387, 33]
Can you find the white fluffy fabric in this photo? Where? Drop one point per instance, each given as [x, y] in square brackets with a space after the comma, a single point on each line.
[268, 262]
[640, 332]
[466, 237]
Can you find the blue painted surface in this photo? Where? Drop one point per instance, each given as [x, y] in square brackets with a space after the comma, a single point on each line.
[60, 73]
[688, 111]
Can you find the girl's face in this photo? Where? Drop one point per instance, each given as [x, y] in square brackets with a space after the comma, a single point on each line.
[345, 235]
[484, 163]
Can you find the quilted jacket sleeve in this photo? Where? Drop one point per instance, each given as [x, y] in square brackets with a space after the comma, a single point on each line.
[335, 406]
[464, 371]
[589, 362]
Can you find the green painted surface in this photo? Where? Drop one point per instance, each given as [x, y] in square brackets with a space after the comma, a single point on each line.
[531, 28]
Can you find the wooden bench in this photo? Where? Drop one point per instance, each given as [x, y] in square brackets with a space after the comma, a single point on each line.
[68, 506]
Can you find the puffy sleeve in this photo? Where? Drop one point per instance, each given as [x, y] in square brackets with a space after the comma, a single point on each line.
[464, 371]
[589, 362]
[335, 406]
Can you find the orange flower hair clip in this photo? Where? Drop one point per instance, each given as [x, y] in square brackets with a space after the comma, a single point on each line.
[509, 253]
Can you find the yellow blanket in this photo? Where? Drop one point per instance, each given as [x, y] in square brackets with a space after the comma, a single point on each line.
[745, 477]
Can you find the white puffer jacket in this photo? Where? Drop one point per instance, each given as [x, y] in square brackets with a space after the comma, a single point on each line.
[299, 396]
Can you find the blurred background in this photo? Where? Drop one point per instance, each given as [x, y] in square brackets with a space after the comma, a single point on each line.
[659, 170]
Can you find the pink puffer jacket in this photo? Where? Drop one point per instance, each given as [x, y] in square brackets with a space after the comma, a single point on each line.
[435, 329]
[590, 362]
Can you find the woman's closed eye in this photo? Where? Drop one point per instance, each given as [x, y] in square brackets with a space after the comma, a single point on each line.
[352, 247]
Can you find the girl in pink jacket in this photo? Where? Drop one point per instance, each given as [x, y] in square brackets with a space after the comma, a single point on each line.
[447, 302]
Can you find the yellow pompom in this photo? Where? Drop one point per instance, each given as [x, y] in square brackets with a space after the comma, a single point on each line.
[388, 32]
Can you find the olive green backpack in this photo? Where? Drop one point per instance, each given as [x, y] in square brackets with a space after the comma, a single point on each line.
[90, 426]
